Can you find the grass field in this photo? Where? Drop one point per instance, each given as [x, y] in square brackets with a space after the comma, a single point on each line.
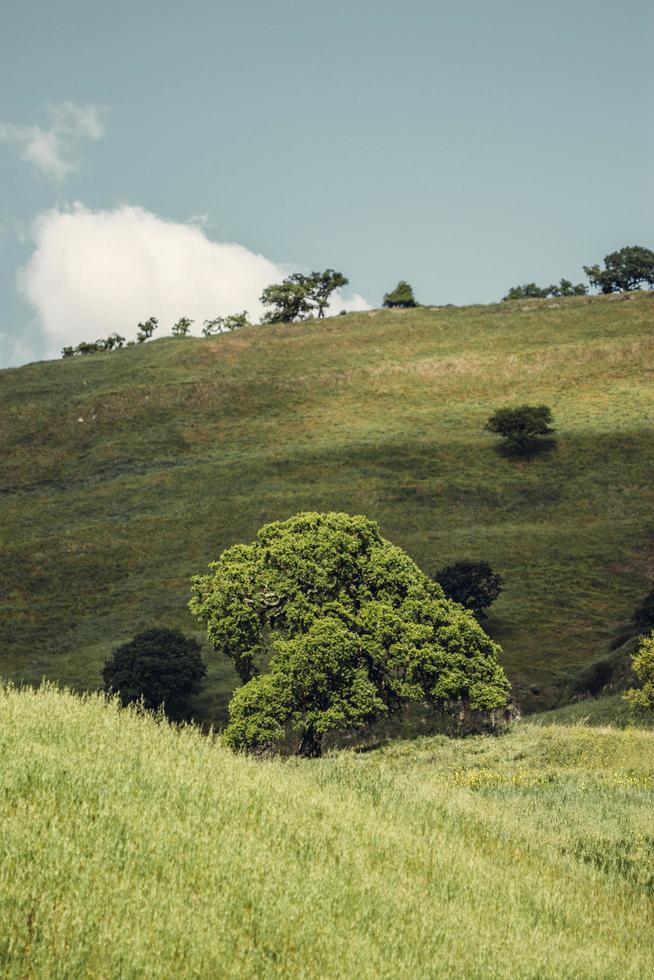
[132, 849]
[125, 473]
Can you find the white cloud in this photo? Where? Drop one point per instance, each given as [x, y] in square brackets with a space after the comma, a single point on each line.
[54, 151]
[96, 272]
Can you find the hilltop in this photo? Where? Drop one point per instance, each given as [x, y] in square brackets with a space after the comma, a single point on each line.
[124, 473]
[132, 849]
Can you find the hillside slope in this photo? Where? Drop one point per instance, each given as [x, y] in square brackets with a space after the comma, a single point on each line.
[125, 473]
[130, 849]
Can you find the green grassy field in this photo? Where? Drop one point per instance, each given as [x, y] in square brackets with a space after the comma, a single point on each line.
[125, 473]
[132, 849]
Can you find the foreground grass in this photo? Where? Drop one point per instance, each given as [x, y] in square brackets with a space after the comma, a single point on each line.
[125, 473]
[132, 849]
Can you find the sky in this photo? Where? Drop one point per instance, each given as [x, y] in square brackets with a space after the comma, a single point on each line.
[166, 158]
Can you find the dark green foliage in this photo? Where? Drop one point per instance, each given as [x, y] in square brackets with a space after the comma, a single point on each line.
[159, 666]
[401, 297]
[471, 583]
[643, 615]
[112, 341]
[183, 327]
[321, 285]
[628, 268]
[225, 324]
[521, 427]
[331, 628]
[299, 297]
[531, 291]
[145, 330]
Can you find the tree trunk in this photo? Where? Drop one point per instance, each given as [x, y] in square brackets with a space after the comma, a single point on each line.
[310, 744]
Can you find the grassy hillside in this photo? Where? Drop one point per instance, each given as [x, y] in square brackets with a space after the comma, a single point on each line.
[125, 473]
[130, 849]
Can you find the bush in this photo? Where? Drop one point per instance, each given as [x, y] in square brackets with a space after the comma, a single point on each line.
[473, 584]
[642, 664]
[183, 327]
[160, 666]
[145, 330]
[521, 427]
[331, 628]
[643, 614]
[531, 291]
[401, 297]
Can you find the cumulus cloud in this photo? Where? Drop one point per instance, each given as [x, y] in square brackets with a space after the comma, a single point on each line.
[53, 151]
[96, 272]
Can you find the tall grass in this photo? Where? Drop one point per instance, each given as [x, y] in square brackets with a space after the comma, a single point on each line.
[132, 849]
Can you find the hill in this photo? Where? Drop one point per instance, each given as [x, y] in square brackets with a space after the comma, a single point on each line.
[132, 849]
[124, 473]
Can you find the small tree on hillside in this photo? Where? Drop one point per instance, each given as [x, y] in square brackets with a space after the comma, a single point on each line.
[225, 324]
[159, 667]
[531, 291]
[145, 330]
[299, 297]
[628, 268]
[330, 628]
[288, 301]
[473, 584]
[183, 327]
[321, 285]
[521, 427]
[401, 297]
[642, 664]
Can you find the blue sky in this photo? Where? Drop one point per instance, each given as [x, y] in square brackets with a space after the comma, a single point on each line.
[463, 147]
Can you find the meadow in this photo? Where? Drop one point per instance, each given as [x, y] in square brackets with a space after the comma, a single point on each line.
[131, 848]
[125, 473]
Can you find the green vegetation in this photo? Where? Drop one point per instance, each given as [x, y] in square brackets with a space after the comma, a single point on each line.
[531, 291]
[331, 628]
[131, 849]
[159, 668]
[125, 473]
[146, 330]
[628, 268]
[642, 662]
[472, 583]
[401, 297]
[300, 296]
[522, 427]
[183, 327]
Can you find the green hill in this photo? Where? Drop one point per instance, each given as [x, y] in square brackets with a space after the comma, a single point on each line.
[131, 849]
[124, 473]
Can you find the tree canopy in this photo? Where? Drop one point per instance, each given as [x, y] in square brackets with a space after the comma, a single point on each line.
[400, 297]
[642, 663]
[521, 426]
[331, 627]
[530, 290]
[301, 296]
[473, 584]
[158, 667]
[628, 268]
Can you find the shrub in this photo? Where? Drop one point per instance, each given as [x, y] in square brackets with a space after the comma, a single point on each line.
[401, 297]
[473, 584]
[643, 614]
[183, 327]
[531, 291]
[330, 627]
[145, 330]
[522, 426]
[225, 324]
[160, 666]
[642, 664]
